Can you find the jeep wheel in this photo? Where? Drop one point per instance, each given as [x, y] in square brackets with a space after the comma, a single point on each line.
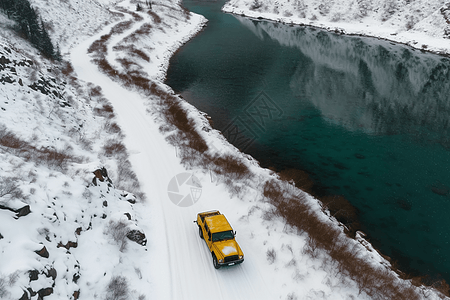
[215, 262]
[200, 232]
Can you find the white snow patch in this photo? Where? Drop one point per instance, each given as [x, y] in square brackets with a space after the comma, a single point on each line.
[228, 249]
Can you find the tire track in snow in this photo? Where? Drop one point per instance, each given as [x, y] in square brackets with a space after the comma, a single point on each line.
[180, 263]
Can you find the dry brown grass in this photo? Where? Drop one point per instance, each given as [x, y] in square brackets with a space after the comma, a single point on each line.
[106, 111]
[230, 166]
[156, 18]
[114, 148]
[144, 30]
[67, 68]
[54, 158]
[375, 281]
[301, 179]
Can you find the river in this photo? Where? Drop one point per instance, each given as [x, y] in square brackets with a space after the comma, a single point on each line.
[366, 118]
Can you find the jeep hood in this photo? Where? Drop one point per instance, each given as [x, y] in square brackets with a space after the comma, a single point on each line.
[228, 247]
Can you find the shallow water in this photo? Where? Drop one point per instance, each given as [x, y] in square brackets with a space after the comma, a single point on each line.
[368, 119]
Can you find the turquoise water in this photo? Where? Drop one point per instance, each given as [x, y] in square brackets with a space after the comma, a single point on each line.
[367, 119]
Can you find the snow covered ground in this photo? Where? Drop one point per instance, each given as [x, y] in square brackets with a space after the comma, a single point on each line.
[58, 126]
[420, 24]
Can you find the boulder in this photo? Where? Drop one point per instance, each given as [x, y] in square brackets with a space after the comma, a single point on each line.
[45, 292]
[102, 175]
[16, 206]
[52, 273]
[76, 294]
[23, 211]
[43, 252]
[33, 274]
[68, 245]
[137, 236]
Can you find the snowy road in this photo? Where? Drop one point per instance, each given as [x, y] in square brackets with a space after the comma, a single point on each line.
[178, 264]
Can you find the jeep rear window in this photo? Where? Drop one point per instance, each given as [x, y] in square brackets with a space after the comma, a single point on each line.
[224, 235]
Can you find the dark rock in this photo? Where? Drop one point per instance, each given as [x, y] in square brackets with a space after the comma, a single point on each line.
[78, 231]
[45, 292]
[23, 211]
[128, 215]
[75, 277]
[20, 212]
[341, 166]
[404, 204]
[137, 236]
[7, 79]
[130, 198]
[31, 293]
[105, 203]
[25, 296]
[4, 60]
[52, 273]
[1, 236]
[68, 245]
[20, 82]
[33, 274]
[440, 190]
[38, 87]
[98, 175]
[43, 252]
[76, 294]
[102, 175]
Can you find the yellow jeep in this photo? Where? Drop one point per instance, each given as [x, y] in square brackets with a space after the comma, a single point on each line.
[214, 228]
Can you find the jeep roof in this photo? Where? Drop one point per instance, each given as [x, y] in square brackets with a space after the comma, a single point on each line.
[218, 223]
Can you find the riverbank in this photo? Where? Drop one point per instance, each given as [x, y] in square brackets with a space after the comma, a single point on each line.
[198, 69]
[420, 25]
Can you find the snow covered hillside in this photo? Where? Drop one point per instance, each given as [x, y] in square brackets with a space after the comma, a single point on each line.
[89, 147]
[420, 24]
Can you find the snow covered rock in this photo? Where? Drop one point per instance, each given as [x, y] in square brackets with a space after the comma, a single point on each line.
[137, 236]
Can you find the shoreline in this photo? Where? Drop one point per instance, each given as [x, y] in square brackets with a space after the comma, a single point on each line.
[358, 235]
[422, 44]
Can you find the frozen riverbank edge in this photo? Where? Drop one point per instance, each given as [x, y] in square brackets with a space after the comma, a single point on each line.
[423, 36]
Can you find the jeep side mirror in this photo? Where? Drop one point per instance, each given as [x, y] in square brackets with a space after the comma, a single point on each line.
[235, 232]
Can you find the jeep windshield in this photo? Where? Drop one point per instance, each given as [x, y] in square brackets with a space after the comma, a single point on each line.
[224, 235]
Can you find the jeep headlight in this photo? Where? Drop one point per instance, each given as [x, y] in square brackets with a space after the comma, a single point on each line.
[221, 260]
[241, 256]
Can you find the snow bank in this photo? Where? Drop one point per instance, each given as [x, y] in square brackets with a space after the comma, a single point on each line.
[420, 24]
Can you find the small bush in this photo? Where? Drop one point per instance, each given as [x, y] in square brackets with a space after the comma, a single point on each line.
[311, 247]
[55, 158]
[106, 111]
[10, 187]
[271, 255]
[231, 167]
[112, 127]
[3, 291]
[117, 289]
[156, 18]
[10, 140]
[115, 148]
[118, 231]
